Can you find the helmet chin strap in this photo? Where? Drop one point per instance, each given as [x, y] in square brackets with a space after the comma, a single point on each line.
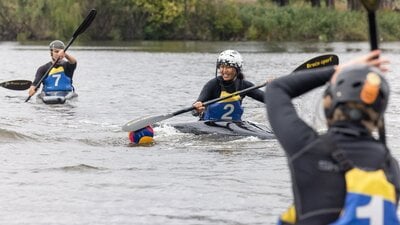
[357, 115]
[382, 130]
[52, 57]
[216, 69]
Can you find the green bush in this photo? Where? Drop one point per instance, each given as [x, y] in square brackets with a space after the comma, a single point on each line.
[125, 20]
[388, 26]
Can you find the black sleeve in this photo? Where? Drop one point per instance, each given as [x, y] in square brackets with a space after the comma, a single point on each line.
[69, 69]
[256, 94]
[211, 90]
[291, 131]
[40, 72]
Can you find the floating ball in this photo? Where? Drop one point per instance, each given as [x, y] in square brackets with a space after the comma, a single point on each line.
[142, 136]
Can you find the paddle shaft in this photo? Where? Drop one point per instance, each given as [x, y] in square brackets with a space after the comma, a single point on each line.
[371, 6]
[84, 25]
[244, 91]
[373, 34]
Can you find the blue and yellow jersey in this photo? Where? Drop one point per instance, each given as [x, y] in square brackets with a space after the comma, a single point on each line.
[57, 80]
[370, 199]
[228, 109]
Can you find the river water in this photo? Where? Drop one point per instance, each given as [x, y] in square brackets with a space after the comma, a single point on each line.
[72, 164]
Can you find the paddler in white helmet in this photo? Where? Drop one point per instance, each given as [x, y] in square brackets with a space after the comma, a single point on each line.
[229, 80]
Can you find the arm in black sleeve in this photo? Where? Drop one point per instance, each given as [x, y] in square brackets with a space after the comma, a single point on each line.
[70, 69]
[39, 73]
[291, 131]
[256, 94]
[211, 90]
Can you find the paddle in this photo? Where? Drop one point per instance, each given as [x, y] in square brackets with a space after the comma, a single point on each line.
[371, 6]
[17, 85]
[319, 61]
[84, 25]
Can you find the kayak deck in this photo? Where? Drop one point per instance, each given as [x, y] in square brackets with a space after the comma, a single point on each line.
[226, 128]
[57, 97]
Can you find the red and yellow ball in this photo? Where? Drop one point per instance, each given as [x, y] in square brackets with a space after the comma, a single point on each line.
[142, 136]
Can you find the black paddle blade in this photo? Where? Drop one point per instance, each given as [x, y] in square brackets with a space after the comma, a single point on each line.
[17, 85]
[86, 23]
[370, 5]
[319, 61]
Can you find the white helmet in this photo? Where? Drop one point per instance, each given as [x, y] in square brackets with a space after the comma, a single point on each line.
[230, 58]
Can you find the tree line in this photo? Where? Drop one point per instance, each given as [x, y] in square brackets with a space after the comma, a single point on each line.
[351, 4]
[215, 20]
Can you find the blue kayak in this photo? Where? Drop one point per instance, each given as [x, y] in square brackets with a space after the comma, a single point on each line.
[226, 128]
[57, 97]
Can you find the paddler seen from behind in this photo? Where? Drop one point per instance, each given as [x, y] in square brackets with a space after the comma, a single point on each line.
[59, 79]
[230, 80]
[346, 175]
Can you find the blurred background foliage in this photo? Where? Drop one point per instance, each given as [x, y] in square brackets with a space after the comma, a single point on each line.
[213, 20]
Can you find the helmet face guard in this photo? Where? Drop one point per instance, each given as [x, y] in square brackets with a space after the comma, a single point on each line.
[358, 84]
[230, 58]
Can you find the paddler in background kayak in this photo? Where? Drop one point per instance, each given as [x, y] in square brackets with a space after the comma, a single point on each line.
[60, 77]
[230, 79]
[345, 176]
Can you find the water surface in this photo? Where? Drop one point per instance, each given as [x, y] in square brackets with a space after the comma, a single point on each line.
[71, 164]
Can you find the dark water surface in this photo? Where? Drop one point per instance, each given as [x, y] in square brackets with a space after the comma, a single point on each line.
[71, 164]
